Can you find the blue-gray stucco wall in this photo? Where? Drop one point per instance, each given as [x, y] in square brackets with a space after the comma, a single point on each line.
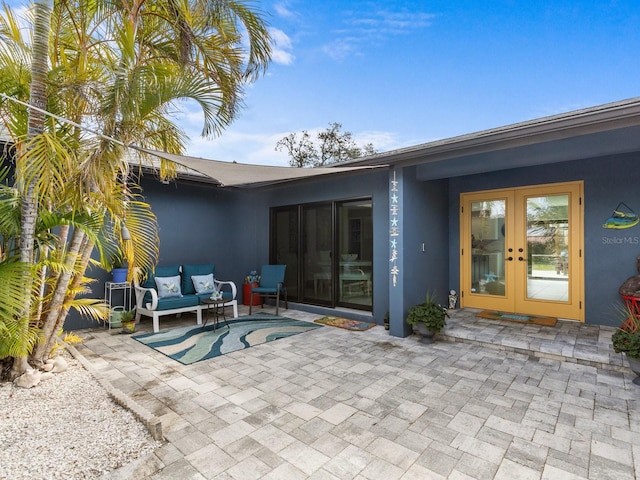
[609, 255]
[198, 223]
[424, 239]
[201, 223]
[230, 227]
[335, 188]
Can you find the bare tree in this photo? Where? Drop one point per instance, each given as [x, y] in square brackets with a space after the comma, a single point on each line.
[330, 146]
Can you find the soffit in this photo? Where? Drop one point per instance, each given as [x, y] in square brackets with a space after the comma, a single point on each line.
[597, 131]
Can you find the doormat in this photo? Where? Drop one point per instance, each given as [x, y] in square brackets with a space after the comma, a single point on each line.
[191, 344]
[518, 318]
[345, 323]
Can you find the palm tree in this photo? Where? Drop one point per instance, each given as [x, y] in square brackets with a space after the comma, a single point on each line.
[14, 275]
[29, 206]
[120, 67]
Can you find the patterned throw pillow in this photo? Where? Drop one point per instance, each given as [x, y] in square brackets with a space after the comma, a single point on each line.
[203, 283]
[168, 287]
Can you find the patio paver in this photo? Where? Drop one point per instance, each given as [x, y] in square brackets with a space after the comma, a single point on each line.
[491, 400]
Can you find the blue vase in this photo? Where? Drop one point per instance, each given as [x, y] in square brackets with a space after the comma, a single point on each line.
[119, 275]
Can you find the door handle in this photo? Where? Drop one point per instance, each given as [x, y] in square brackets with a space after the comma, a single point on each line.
[521, 259]
[509, 259]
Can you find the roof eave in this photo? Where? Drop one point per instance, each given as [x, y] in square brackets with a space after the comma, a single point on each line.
[557, 127]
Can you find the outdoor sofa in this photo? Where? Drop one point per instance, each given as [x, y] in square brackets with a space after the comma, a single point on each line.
[176, 289]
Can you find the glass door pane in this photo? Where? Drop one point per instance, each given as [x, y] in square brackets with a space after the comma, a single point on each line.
[317, 254]
[284, 245]
[355, 248]
[488, 247]
[526, 246]
[548, 247]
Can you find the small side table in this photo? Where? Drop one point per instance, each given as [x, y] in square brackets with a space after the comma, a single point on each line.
[110, 288]
[218, 307]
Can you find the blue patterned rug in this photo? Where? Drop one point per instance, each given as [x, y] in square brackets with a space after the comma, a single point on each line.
[191, 344]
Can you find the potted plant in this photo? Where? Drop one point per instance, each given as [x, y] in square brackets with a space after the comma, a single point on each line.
[119, 269]
[626, 339]
[126, 318]
[428, 317]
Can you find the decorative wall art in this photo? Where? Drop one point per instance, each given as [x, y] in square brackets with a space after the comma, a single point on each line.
[394, 231]
[621, 219]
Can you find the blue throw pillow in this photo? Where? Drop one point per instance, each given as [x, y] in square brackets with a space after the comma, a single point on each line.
[203, 283]
[188, 270]
[166, 271]
[168, 287]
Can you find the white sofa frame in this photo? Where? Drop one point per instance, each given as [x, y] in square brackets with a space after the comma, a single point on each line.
[149, 309]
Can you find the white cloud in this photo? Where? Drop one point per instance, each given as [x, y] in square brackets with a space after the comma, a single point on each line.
[282, 9]
[394, 23]
[238, 144]
[241, 147]
[341, 48]
[281, 47]
[381, 141]
[366, 28]
[259, 148]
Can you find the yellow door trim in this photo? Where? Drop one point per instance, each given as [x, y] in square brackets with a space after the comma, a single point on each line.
[516, 274]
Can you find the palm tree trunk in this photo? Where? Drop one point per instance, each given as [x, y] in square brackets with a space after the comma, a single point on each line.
[29, 206]
[85, 252]
[47, 276]
[56, 305]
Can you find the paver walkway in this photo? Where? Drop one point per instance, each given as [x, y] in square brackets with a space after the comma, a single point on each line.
[503, 401]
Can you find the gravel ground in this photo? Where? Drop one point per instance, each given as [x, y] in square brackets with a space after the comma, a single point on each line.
[66, 427]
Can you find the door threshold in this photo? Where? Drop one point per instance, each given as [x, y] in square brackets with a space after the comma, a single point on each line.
[350, 313]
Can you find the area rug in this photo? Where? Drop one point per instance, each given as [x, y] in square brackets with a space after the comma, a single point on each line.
[518, 318]
[345, 323]
[191, 344]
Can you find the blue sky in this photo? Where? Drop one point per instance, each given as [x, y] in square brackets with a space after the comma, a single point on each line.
[400, 73]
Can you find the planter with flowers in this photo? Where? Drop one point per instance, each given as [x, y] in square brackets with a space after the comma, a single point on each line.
[626, 339]
[251, 280]
[119, 317]
[428, 317]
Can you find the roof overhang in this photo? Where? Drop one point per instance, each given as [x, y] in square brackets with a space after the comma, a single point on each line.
[233, 174]
[593, 132]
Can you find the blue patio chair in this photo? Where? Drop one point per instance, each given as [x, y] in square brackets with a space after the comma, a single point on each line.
[270, 286]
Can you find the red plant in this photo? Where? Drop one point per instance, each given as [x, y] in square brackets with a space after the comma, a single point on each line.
[631, 309]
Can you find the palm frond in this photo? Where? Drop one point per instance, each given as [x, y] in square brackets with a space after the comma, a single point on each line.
[91, 308]
[17, 335]
[45, 161]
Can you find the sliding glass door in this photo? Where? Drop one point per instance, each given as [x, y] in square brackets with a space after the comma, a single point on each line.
[317, 254]
[330, 246]
[355, 248]
[285, 245]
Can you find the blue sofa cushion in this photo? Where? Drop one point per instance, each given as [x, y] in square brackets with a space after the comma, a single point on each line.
[170, 271]
[189, 270]
[177, 302]
[225, 296]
